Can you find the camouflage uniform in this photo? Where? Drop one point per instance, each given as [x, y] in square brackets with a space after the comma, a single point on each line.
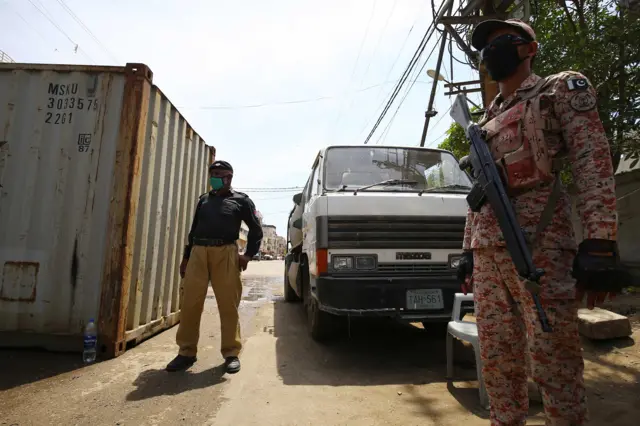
[507, 323]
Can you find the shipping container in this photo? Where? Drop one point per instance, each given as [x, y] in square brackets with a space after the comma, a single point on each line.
[99, 177]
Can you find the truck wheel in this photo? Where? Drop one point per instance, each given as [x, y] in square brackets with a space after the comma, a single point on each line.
[321, 324]
[290, 295]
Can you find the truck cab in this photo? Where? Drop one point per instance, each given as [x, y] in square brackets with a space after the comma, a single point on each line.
[377, 231]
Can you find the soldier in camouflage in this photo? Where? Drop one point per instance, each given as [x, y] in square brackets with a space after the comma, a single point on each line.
[533, 127]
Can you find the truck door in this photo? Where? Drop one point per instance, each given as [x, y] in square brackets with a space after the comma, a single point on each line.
[310, 196]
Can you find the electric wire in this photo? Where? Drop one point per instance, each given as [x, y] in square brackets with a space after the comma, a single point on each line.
[438, 139]
[267, 189]
[389, 124]
[375, 49]
[355, 66]
[414, 60]
[278, 103]
[87, 30]
[50, 19]
[393, 65]
[29, 25]
[405, 75]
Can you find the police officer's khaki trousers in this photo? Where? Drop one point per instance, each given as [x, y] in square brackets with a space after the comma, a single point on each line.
[220, 266]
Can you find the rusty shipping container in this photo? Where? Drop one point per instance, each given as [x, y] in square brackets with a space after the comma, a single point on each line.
[99, 175]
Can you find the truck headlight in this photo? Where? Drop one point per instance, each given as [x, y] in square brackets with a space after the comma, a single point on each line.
[454, 260]
[365, 262]
[340, 263]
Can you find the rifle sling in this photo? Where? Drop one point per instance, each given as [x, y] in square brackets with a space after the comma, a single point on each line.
[547, 214]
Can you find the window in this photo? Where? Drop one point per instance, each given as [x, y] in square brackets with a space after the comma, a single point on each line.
[354, 167]
[312, 185]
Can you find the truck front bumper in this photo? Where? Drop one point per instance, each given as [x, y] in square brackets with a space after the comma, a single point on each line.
[382, 296]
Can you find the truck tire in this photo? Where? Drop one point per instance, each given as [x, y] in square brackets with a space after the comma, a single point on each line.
[322, 325]
[290, 295]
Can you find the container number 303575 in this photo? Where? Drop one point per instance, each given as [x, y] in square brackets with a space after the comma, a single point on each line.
[65, 107]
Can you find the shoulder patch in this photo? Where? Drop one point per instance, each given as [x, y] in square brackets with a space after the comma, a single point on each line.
[583, 101]
[577, 84]
[240, 193]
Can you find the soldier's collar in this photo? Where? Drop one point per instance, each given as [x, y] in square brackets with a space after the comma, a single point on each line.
[529, 83]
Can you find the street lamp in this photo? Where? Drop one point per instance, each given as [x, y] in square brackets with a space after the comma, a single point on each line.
[432, 74]
[439, 77]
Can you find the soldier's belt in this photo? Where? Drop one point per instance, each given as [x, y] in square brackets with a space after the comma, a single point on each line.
[209, 242]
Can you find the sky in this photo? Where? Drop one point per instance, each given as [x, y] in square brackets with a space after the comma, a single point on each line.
[216, 60]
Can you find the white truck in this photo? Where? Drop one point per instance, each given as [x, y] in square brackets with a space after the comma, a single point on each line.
[377, 231]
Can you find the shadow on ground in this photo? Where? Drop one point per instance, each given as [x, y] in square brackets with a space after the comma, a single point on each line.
[373, 352]
[369, 352]
[153, 383]
[380, 352]
[23, 366]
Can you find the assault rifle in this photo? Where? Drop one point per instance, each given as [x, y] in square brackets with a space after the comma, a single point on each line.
[488, 186]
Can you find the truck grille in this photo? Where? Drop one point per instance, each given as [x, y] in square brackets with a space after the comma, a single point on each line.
[395, 232]
[413, 268]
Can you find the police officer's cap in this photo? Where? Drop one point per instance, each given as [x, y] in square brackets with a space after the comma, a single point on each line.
[221, 165]
[484, 29]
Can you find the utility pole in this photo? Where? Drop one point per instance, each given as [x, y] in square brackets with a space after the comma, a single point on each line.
[430, 112]
[489, 87]
[456, 25]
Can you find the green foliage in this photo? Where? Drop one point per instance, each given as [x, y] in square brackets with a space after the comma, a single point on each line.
[599, 40]
[456, 142]
[436, 178]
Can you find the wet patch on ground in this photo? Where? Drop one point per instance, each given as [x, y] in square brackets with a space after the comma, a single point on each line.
[259, 290]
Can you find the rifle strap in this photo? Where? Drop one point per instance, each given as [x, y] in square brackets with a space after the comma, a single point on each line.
[547, 214]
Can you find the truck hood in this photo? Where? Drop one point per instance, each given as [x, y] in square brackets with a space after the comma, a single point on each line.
[396, 204]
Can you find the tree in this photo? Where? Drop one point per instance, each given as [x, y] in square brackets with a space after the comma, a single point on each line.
[456, 142]
[597, 38]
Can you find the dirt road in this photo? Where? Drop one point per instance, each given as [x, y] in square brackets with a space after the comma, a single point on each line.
[383, 374]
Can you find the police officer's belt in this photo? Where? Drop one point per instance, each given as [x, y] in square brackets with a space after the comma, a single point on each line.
[208, 242]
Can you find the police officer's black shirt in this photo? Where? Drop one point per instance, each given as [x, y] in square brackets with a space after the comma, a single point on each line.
[218, 217]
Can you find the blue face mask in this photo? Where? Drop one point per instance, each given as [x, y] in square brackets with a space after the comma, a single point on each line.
[216, 183]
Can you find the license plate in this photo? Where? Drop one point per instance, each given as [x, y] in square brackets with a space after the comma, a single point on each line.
[425, 299]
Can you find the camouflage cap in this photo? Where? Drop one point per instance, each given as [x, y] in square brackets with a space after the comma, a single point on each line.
[484, 29]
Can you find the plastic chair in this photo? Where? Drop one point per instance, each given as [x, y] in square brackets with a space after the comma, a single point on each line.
[468, 332]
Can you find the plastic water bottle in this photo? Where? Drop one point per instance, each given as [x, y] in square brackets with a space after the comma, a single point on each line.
[90, 342]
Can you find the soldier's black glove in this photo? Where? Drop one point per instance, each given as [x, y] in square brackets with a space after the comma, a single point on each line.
[597, 268]
[465, 269]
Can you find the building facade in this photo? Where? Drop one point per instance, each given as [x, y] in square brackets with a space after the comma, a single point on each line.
[281, 246]
[242, 240]
[269, 240]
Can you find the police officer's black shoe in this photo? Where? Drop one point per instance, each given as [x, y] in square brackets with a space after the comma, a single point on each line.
[232, 364]
[181, 362]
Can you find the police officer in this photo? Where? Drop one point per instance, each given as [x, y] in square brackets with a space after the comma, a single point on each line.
[534, 127]
[211, 255]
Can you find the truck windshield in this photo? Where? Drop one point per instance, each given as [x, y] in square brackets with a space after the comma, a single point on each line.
[358, 166]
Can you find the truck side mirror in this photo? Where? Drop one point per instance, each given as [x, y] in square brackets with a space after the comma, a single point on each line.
[297, 223]
[297, 198]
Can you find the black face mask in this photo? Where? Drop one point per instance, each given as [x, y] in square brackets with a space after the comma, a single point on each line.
[501, 58]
